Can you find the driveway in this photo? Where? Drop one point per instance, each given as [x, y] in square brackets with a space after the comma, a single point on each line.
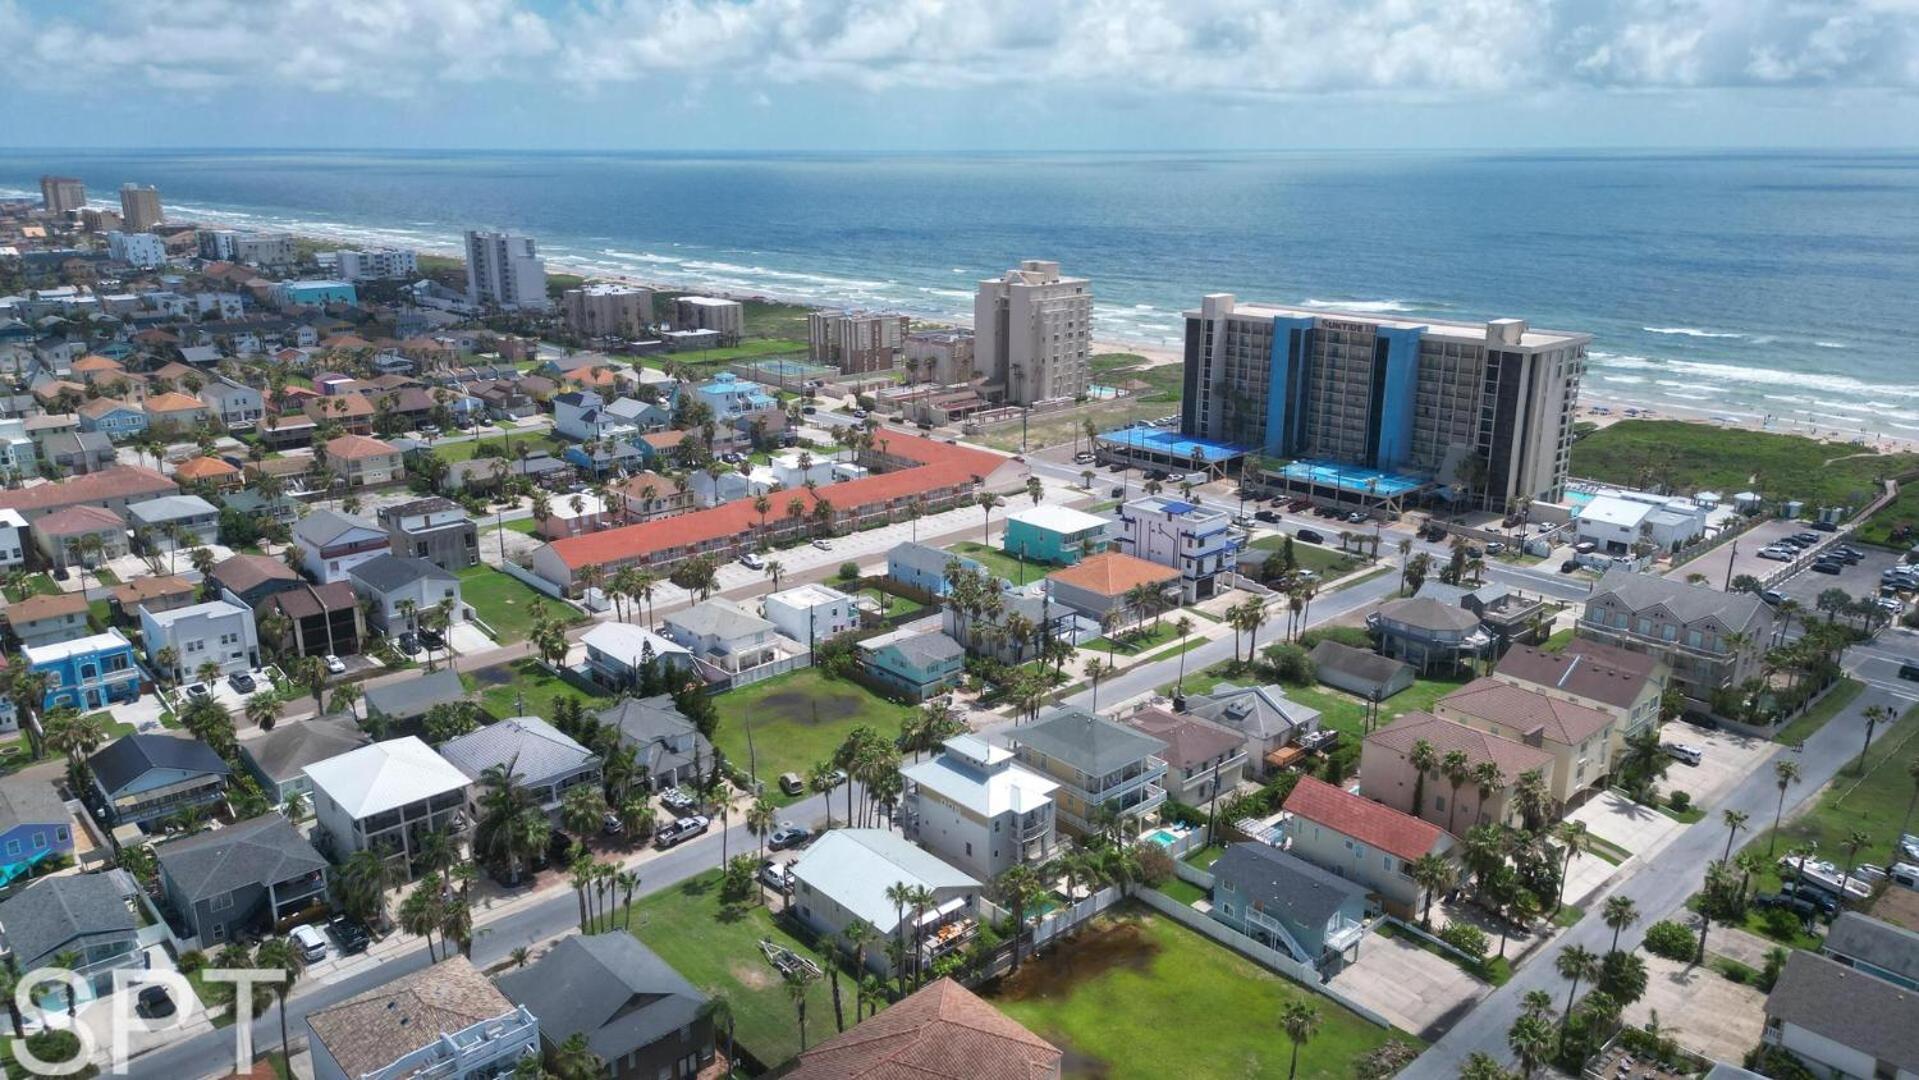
[1618, 820]
[1729, 760]
[1707, 1013]
[1418, 991]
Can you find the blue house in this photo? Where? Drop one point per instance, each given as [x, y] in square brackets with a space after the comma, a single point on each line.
[34, 826]
[88, 673]
[921, 567]
[1288, 904]
[915, 665]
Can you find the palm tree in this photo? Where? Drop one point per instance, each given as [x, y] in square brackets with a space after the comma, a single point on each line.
[1735, 820]
[1786, 774]
[1621, 912]
[1300, 1021]
[1434, 874]
[277, 953]
[1575, 962]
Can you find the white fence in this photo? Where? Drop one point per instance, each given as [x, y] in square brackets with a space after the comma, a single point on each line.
[1304, 974]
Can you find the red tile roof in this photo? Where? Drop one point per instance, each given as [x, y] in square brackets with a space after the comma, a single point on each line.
[113, 482]
[941, 466]
[1363, 819]
[941, 1031]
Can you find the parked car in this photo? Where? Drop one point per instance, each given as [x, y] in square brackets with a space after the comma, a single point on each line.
[1308, 536]
[1686, 752]
[776, 876]
[350, 933]
[242, 682]
[684, 829]
[335, 665]
[788, 835]
[309, 942]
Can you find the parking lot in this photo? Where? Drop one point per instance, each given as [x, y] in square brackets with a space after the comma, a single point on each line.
[1728, 759]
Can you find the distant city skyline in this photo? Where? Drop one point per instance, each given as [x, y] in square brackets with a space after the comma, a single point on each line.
[991, 75]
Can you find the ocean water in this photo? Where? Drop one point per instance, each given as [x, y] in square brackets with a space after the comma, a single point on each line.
[1753, 285]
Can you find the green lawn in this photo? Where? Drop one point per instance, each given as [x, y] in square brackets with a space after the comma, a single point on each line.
[1137, 992]
[522, 687]
[1000, 563]
[1697, 457]
[796, 721]
[1874, 804]
[717, 949]
[1324, 561]
[505, 603]
[1810, 721]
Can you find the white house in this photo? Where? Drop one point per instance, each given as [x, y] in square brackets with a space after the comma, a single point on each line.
[979, 809]
[216, 631]
[385, 797]
[811, 613]
[842, 880]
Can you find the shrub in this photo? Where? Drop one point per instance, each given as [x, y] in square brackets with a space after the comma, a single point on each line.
[1671, 940]
[1467, 938]
[849, 571]
[1680, 801]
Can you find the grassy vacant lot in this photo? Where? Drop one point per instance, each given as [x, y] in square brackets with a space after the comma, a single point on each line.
[505, 603]
[1700, 457]
[797, 720]
[1324, 561]
[1118, 369]
[1873, 803]
[999, 562]
[1138, 995]
[717, 949]
[1338, 710]
[522, 687]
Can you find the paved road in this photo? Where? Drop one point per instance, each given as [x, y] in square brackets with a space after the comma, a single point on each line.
[211, 1053]
[1659, 886]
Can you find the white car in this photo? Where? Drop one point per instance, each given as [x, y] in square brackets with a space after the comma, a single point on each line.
[335, 665]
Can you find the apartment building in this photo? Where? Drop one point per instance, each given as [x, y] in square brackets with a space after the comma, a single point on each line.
[1194, 539]
[855, 342]
[140, 207]
[1710, 640]
[1487, 407]
[1102, 767]
[607, 309]
[727, 318]
[939, 356]
[60, 194]
[376, 264]
[1033, 333]
[977, 808]
[505, 271]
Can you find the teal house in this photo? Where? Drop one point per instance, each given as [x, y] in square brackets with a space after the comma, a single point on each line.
[914, 665]
[1057, 535]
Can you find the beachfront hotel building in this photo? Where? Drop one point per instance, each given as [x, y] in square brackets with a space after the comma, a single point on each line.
[1482, 409]
[855, 342]
[139, 207]
[608, 309]
[1033, 333]
[59, 194]
[505, 271]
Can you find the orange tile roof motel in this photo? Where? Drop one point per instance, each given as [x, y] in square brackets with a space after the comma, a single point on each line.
[1362, 819]
[1113, 573]
[941, 465]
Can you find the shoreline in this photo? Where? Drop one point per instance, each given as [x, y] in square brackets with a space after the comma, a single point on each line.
[1160, 353]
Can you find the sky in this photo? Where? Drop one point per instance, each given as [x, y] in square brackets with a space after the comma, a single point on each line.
[951, 75]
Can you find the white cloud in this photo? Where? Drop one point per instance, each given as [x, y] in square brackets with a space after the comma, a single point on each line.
[1422, 49]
